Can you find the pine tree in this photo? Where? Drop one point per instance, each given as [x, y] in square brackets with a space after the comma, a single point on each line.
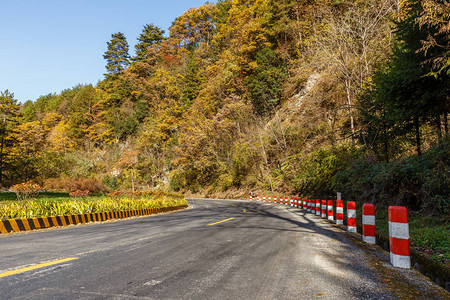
[9, 112]
[150, 35]
[117, 55]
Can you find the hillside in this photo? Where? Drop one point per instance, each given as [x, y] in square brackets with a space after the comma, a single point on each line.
[305, 98]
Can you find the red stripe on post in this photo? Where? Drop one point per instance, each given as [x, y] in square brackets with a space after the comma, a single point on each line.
[368, 209]
[369, 230]
[398, 214]
[399, 246]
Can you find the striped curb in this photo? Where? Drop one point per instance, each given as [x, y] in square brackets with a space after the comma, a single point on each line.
[18, 225]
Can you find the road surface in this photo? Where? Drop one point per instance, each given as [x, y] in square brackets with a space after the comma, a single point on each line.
[216, 249]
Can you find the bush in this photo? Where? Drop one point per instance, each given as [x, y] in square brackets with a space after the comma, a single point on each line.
[26, 190]
[69, 184]
[417, 182]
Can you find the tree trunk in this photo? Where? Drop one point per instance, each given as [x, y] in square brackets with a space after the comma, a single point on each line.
[349, 102]
[1, 159]
[417, 126]
[446, 125]
[386, 144]
[439, 129]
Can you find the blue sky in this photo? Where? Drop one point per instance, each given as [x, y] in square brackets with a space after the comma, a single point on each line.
[50, 45]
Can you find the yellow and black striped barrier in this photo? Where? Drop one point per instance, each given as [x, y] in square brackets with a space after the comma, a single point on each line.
[17, 225]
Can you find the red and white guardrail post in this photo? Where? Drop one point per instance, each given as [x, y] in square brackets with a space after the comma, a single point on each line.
[351, 216]
[399, 237]
[264, 198]
[324, 209]
[330, 210]
[257, 197]
[317, 207]
[270, 200]
[368, 223]
[339, 212]
[308, 205]
[275, 199]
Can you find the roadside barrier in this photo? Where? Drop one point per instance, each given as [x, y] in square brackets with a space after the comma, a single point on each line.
[250, 197]
[275, 199]
[264, 198]
[308, 205]
[317, 207]
[295, 202]
[286, 200]
[292, 201]
[399, 237]
[305, 204]
[339, 212]
[368, 223]
[351, 216]
[270, 200]
[330, 210]
[257, 197]
[324, 209]
[17, 225]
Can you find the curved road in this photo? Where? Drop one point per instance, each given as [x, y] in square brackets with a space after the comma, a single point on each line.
[217, 249]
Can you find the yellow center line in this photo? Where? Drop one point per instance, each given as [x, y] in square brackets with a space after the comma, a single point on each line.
[220, 221]
[9, 273]
[234, 205]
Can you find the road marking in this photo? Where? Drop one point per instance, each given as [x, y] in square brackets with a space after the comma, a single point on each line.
[234, 205]
[220, 221]
[9, 273]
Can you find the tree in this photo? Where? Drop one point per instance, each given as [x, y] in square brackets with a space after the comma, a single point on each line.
[150, 35]
[403, 96]
[9, 112]
[435, 15]
[265, 82]
[117, 55]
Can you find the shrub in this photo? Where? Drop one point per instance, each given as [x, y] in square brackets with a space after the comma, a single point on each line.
[26, 190]
[79, 194]
[69, 184]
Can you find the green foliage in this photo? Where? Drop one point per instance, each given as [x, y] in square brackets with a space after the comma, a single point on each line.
[150, 35]
[402, 96]
[66, 206]
[418, 182]
[265, 82]
[117, 56]
[318, 169]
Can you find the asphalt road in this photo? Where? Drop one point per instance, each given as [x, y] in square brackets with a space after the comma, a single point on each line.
[217, 249]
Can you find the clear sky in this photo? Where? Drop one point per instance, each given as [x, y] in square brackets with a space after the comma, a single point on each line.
[50, 45]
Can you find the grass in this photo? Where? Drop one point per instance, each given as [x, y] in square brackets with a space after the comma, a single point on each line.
[51, 204]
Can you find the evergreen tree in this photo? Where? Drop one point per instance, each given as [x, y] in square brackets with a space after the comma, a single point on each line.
[191, 82]
[117, 55]
[404, 97]
[9, 112]
[150, 35]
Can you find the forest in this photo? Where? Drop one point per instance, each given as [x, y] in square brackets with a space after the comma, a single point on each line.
[306, 98]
